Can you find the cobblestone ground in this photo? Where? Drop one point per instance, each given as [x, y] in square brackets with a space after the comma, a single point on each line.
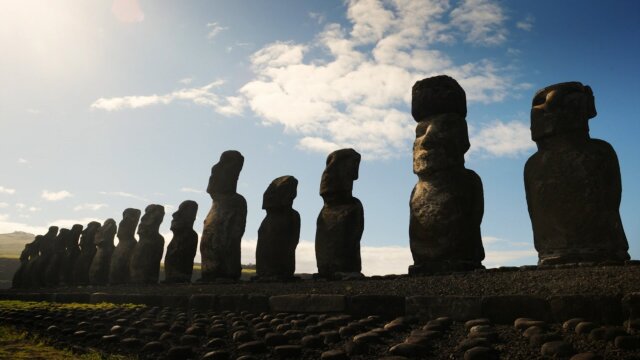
[174, 333]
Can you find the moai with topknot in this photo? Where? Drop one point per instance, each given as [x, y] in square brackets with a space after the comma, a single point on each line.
[71, 253]
[121, 257]
[225, 223]
[279, 232]
[146, 257]
[447, 203]
[87, 252]
[178, 263]
[341, 221]
[572, 182]
[99, 270]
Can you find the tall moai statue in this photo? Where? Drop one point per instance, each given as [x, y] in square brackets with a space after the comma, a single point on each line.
[53, 272]
[572, 182]
[121, 257]
[71, 253]
[28, 275]
[341, 221]
[178, 263]
[47, 245]
[279, 232]
[146, 257]
[87, 252]
[447, 203]
[19, 277]
[225, 223]
[99, 270]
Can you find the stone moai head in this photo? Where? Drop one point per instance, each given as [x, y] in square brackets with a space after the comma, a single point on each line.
[561, 108]
[340, 173]
[35, 245]
[151, 220]
[62, 239]
[224, 174]
[90, 230]
[128, 224]
[74, 235]
[442, 138]
[53, 231]
[185, 216]
[281, 192]
[104, 235]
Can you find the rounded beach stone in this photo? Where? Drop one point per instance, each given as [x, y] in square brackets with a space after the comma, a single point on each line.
[471, 323]
[409, 350]
[275, 339]
[215, 343]
[471, 343]
[253, 347]
[586, 356]
[597, 334]
[288, 351]
[180, 353]
[367, 338]
[627, 342]
[571, 324]
[585, 327]
[312, 341]
[336, 354]
[481, 353]
[533, 330]
[537, 340]
[557, 349]
[153, 347]
[216, 355]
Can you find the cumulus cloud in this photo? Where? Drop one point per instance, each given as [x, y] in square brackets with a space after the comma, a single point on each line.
[68, 223]
[203, 96]
[123, 194]
[481, 20]
[22, 161]
[191, 190]
[214, 29]
[499, 138]
[3, 205]
[55, 195]
[526, 24]
[4, 190]
[89, 206]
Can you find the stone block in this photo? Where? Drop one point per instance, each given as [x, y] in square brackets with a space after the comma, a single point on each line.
[388, 306]
[606, 309]
[506, 308]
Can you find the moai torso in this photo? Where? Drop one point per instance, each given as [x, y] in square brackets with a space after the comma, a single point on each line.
[147, 254]
[279, 232]
[225, 223]
[72, 251]
[99, 270]
[341, 221]
[87, 252]
[47, 250]
[178, 263]
[54, 268]
[121, 257]
[573, 182]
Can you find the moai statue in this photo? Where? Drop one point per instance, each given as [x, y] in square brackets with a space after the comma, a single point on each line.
[572, 182]
[447, 203]
[87, 252]
[20, 278]
[99, 270]
[341, 221]
[39, 269]
[178, 263]
[53, 273]
[147, 254]
[71, 253]
[121, 258]
[279, 232]
[225, 223]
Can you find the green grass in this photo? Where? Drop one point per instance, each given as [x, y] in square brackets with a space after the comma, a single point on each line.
[43, 305]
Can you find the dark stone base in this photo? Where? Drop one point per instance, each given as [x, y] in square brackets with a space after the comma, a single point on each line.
[436, 267]
[339, 276]
[274, 278]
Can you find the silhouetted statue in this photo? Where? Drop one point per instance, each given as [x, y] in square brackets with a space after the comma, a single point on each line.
[279, 232]
[573, 182]
[53, 273]
[146, 257]
[99, 270]
[225, 223]
[28, 275]
[447, 203]
[46, 247]
[71, 254]
[20, 277]
[341, 221]
[121, 258]
[87, 252]
[178, 263]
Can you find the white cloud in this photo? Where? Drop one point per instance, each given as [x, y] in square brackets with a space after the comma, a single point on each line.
[55, 196]
[204, 96]
[34, 209]
[21, 205]
[318, 17]
[185, 81]
[4, 190]
[127, 11]
[33, 111]
[22, 161]
[191, 190]
[502, 139]
[3, 205]
[526, 24]
[214, 29]
[89, 206]
[481, 20]
[123, 194]
[68, 223]
[7, 226]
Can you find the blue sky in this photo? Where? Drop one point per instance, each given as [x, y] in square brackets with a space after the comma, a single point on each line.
[114, 104]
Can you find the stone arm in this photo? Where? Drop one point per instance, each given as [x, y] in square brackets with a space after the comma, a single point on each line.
[238, 221]
[614, 182]
[295, 235]
[476, 208]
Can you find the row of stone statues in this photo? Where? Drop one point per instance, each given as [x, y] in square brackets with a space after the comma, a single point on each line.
[572, 184]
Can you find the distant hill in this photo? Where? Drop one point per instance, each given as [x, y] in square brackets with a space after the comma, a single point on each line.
[12, 244]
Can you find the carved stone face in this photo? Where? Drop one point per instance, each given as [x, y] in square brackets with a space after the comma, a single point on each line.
[130, 218]
[441, 142]
[184, 217]
[151, 220]
[340, 172]
[437, 95]
[280, 193]
[561, 108]
[224, 174]
[106, 232]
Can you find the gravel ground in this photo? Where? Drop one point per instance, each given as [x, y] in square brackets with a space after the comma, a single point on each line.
[593, 280]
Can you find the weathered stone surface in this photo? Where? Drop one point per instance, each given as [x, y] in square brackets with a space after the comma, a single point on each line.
[601, 308]
[53, 272]
[20, 277]
[302, 303]
[459, 308]
[279, 232]
[384, 305]
[505, 309]
[145, 260]
[225, 223]
[71, 254]
[572, 182]
[178, 263]
[557, 349]
[38, 270]
[99, 270]
[447, 203]
[121, 258]
[87, 252]
[341, 221]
